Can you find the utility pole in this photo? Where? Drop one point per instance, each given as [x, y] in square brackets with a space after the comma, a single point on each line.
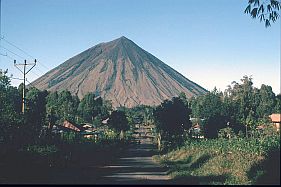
[24, 72]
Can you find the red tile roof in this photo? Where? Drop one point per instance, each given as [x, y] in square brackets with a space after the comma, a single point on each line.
[69, 125]
[275, 118]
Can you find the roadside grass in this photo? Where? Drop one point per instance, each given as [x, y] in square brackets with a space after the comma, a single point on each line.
[224, 161]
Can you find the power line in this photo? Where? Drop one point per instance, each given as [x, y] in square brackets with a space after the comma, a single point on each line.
[12, 52]
[22, 79]
[10, 43]
[36, 74]
[6, 55]
[44, 65]
[17, 47]
[31, 84]
[39, 70]
[3, 54]
[9, 57]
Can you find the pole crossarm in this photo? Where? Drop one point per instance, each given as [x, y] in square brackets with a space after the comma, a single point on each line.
[24, 72]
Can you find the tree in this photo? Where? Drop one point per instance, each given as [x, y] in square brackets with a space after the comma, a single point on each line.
[86, 107]
[265, 10]
[90, 107]
[106, 109]
[277, 108]
[266, 101]
[52, 111]
[67, 106]
[35, 114]
[172, 119]
[118, 122]
[10, 109]
[212, 109]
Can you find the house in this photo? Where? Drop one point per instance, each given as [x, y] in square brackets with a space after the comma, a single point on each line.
[276, 120]
[72, 126]
[87, 130]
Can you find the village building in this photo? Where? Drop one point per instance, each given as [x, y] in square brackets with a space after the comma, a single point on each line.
[276, 120]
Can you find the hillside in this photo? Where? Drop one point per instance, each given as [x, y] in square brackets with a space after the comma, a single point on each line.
[119, 71]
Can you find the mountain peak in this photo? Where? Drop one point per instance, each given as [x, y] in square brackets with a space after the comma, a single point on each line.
[121, 40]
[119, 71]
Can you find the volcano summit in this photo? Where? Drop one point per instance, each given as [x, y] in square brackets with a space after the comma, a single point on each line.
[119, 71]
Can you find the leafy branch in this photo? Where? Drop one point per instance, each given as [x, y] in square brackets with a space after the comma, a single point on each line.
[266, 11]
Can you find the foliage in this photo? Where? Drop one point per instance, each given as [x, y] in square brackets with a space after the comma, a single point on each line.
[277, 108]
[35, 114]
[172, 119]
[242, 106]
[139, 114]
[265, 10]
[228, 159]
[118, 121]
[226, 133]
[42, 149]
[212, 109]
[67, 105]
[88, 107]
[10, 109]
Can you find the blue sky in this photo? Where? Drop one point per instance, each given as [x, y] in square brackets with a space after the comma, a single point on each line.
[210, 42]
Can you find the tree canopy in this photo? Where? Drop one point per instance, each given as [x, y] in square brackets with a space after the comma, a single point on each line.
[172, 118]
[118, 121]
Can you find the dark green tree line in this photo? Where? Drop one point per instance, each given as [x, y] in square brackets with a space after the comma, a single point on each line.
[242, 106]
[172, 119]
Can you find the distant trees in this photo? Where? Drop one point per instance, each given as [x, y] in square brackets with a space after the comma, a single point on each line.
[211, 108]
[241, 106]
[265, 10]
[44, 109]
[139, 114]
[172, 119]
[68, 105]
[267, 101]
[118, 122]
[93, 108]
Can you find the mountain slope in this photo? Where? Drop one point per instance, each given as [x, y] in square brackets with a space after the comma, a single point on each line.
[119, 71]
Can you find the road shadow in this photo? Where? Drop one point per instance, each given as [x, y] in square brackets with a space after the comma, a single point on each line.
[267, 172]
[199, 180]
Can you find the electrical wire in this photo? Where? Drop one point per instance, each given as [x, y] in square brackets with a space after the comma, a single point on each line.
[12, 52]
[17, 47]
[35, 74]
[10, 43]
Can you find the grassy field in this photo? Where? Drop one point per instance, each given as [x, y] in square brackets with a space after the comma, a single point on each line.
[254, 160]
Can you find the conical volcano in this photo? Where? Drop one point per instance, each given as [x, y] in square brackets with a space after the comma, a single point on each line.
[119, 71]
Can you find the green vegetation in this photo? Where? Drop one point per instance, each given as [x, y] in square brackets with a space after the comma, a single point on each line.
[265, 10]
[172, 119]
[242, 106]
[241, 145]
[226, 161]
[30, 150]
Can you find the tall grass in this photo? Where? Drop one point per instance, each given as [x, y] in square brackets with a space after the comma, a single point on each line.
[230, 160]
